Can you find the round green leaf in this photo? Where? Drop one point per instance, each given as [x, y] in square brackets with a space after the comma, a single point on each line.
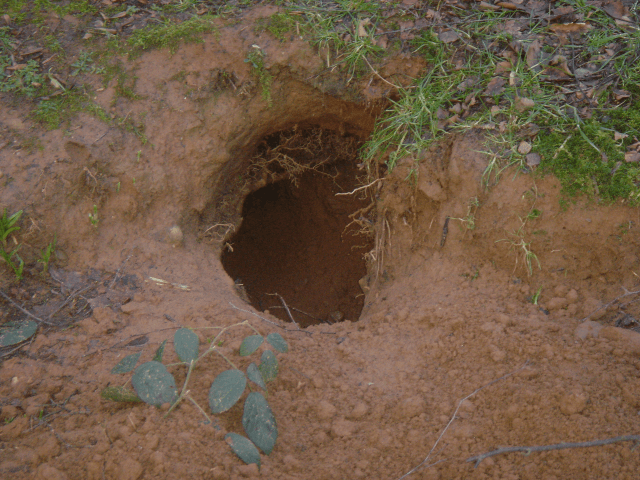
[250, 344]
[277, 342]
[17, 332]
[243, 447]
[255, 376]
[186, 344]
[268, 366]
[259, 423]
[226, 390]
[154, 384]
[127, 363]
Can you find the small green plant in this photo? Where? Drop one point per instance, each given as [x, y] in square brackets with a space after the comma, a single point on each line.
[84, 64]
[469, 220]
[45, 256]
[7, 226]
[93, 217]
[536, 296]
[256, 58]
[154, 384]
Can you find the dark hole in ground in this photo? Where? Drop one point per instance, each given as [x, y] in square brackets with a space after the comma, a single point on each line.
[293, 241]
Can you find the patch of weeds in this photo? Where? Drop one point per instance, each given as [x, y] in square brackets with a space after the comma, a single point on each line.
[11, 257]
[137, 128]
[45, 256]
[154, 384]
[52, 44]
[256, 58]
[469, 220]
[24, 81]
[31, 144]
[55, 110]
[85, 64]
[278, 25]
[170, 34]
[589, 159]
[476, 87]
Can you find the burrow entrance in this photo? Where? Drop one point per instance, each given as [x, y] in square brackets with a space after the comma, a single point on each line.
[299, 240]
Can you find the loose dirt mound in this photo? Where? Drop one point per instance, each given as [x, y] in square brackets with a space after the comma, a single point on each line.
[461, 285]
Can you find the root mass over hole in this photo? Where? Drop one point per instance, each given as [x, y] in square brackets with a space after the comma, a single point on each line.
[297, 238]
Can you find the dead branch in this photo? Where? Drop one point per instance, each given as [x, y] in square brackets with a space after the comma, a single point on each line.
[269, 321]
[115, 278]
[39, 320]
[284, 304]
[453, 417]
[556, 446]
[69, 298]
[626, 294]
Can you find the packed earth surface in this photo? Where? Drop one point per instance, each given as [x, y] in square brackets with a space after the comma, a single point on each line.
[427, 331]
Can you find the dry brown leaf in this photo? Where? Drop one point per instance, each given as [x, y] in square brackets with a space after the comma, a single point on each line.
[533, 53]
[533, 159]
[19, 66]
[619, 136]
[457, 108]
[524, 147]
[453, 119]
[503, 67]
[632, 157]
[507, 5]
[523, 103]
[495, 110]
[570, 27]
[621, 94]
[362, 32]
[495, 86]
[488, 6]
[615, 9]
[448, 36]
[6, 18]
[441, 114]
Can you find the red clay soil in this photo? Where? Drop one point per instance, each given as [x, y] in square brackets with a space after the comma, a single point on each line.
[363, 398]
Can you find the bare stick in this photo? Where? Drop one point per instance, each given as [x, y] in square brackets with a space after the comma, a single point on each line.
[256, 315]
[115, 278]
[39, 320]
[556, 446]
[300, 311]
[453, 417]
[269, 321]
[69, 298]
[380, 76]
[284, 304]
[360, 188]
[626, 294]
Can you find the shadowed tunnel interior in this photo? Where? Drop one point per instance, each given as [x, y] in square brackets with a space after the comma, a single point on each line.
[297, 239]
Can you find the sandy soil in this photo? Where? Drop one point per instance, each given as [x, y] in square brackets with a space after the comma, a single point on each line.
[430, 317]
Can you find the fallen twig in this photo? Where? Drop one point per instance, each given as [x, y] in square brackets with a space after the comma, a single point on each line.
[69, 298]
[626, 294]
[269, 321]
[556, 446]
[39, 320]
[453, 417]
[284, 304]
[115, 278]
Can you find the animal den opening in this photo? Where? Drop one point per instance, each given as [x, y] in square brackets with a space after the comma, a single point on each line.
[299, 240]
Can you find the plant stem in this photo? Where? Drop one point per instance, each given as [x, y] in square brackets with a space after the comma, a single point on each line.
[184, 388]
